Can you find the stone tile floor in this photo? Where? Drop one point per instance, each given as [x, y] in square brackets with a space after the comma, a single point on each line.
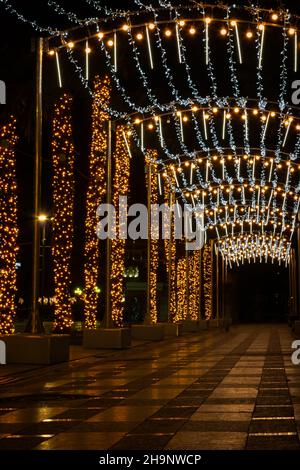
[211, 390]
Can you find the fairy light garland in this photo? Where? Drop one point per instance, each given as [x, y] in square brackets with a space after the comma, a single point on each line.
[151, 157]
[181, 312]
[207, 261]
[120, 188]
[233, 28]
[8, 227]
[194, 284]
[170, 256]
[63, 159]
[254, 247]
[95, 196]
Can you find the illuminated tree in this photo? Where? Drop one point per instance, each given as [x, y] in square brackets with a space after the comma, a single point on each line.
[194, 281]
[63, 207]
[152, 167]
[95, 196]
[120, 188]
[208, 281]
[8, 226]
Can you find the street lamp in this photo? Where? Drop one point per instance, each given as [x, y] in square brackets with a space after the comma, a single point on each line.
[42, 218]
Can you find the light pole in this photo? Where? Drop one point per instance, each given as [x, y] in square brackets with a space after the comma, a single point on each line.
[34, 324]
[43, 219]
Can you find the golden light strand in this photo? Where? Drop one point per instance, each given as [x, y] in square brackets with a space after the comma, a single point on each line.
[170, 254]
[207, 281]
[95, 196]
[63, 158]
[8, 227]
[120, 188]
[151, 156]
[194, 279]
[181, 290]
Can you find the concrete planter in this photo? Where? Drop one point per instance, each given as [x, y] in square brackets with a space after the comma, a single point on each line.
[172, 329]
[297, 327]
[107, 338]
[203, 325]
[147, 332]
[213, 323]
[190, 326]
[36, 349]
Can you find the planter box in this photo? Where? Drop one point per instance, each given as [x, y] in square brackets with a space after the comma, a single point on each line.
[172, 329]
[213, 323]
[297, 327]
[147, 332]
[203, 325]
[36, 349]
[190, 326]
[107, 338]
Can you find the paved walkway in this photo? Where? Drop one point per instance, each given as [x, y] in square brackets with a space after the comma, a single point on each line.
[213, 390]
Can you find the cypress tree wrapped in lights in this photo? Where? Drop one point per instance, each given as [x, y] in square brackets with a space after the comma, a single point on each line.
[8, 227]
[152, 156]
[120, 188]
[95, 196]
[63, 205]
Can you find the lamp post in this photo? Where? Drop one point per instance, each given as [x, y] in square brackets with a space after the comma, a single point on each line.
[43, 219]
[34, 324]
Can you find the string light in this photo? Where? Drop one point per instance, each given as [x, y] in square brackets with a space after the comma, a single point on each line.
[63, 158]
[151, 156]
[95, 196]
[8, 227]
[209, 129]
[207, 281]
[182, 299]
[120, 188]
[194, 284]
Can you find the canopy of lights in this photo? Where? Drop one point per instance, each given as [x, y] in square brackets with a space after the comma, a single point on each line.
[208, 87]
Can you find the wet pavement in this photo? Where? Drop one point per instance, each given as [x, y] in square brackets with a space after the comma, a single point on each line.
[210, 390]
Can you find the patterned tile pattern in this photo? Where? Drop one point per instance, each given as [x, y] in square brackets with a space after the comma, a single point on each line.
[212, 390]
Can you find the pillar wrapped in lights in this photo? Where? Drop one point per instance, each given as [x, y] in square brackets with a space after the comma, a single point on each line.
[181, 289]
[95, 196]
[121, 162]
[208, 281]
[8, 227]
[194, 287]
[63, 158]
[170, 253]
[152, 180]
